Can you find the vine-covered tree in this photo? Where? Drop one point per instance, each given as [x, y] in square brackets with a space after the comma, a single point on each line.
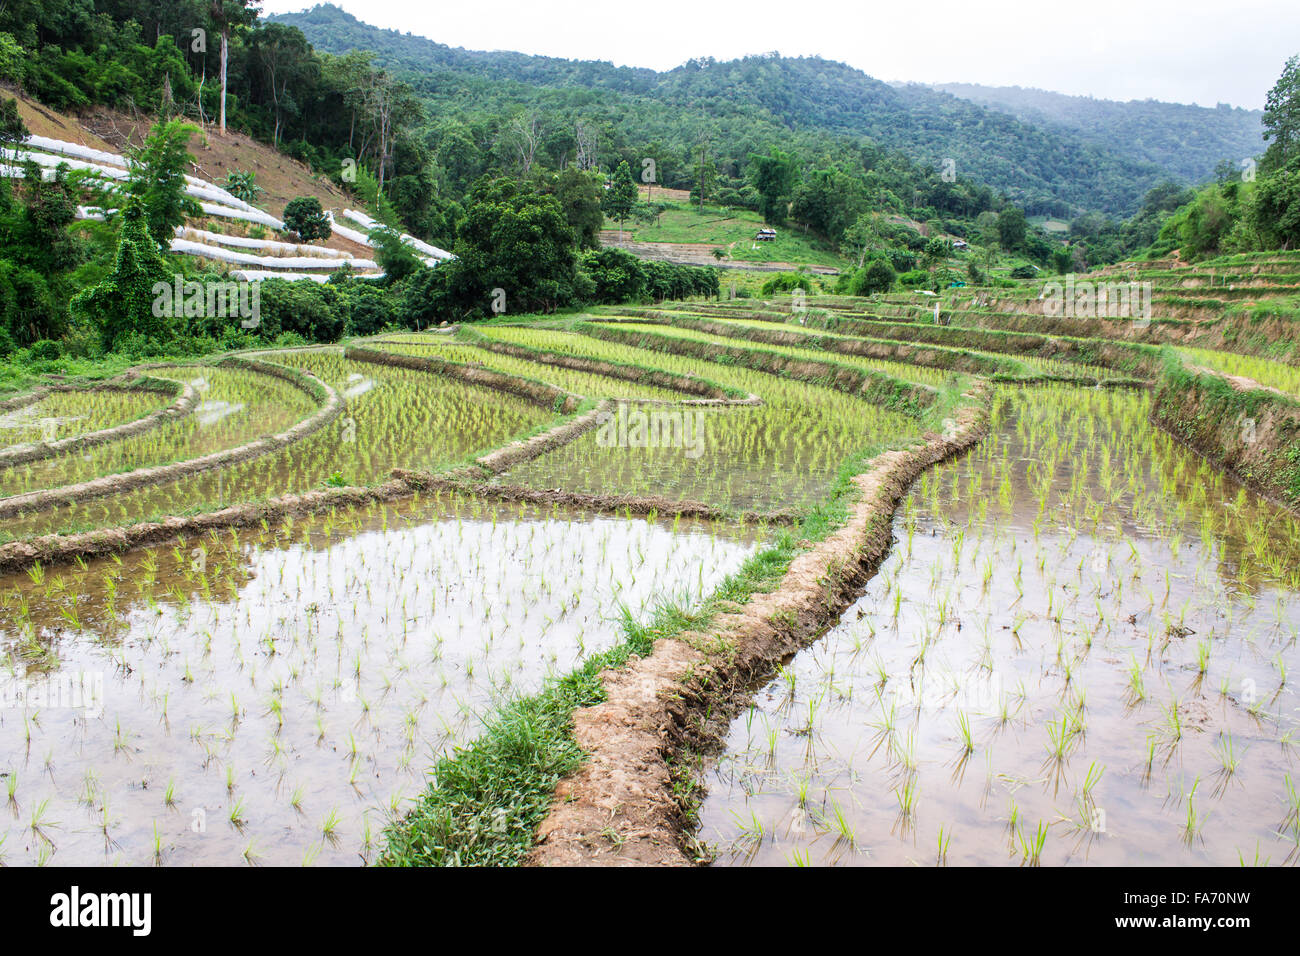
[121, 307]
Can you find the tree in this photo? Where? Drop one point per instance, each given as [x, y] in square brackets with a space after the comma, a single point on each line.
[1282, 118]
[226, 14]
[829, 201]
[1276, 208]
[122, 304]
[937, 250]
[877, 277]
[580, 194]
[586, 145]
[524, 135]
[305, 217]
[863, 236]
[514, 239]
[393, 255]
[774, 177]
[12, 128]
[285, 58]
[1199, 227]
[1012, 228]
[621, 197]
[12, 56]
[619, 276]
[706, 171]
[392, 105]
[157, 179]
[37, 254]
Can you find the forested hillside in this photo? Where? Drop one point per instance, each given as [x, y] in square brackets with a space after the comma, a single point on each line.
[740, 104]
[1189, 141]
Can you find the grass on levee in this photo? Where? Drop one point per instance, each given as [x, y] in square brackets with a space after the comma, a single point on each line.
[486, 799]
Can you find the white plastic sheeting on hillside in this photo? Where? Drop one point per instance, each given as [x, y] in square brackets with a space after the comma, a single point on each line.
[197, 189]
[50, 153]
[245, 215]
[76, 150]
[189, 248]
[419, 245]
[266, 245]
[348, 233]
[50, 162]
[255, 275]
[201, 187]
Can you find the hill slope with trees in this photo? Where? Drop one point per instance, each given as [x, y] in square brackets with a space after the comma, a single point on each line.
[1188, 141]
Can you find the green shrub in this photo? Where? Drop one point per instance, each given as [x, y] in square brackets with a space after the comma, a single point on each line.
[305, 217]
[786, 282]
[618, 276]
[877, 277]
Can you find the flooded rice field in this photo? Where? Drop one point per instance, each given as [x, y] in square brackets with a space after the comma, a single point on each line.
[276, 696]
[62, 415]
[236, 406]
[582, 383]
[1081, 649]
[394, 418]
[781, 455]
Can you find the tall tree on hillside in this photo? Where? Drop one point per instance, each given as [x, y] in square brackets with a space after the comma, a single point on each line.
[580, 195]
[524, 135]
[706, 171]
[587, 140]
[1012, 228]
[121, 305]
[1282, 117]
[157, 179]
[392, 106]
[774, 177]
[226, 15]
[12, 128]
[863, 236]
[287, 65]
[620, 198]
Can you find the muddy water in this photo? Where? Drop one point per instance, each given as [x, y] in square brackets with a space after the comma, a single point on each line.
[270, 698]
[1081, 650]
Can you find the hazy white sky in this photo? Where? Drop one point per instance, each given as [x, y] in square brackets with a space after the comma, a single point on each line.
[1192, 51]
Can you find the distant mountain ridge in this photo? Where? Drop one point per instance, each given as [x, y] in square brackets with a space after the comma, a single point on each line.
[1047, 166]
[1188, 140]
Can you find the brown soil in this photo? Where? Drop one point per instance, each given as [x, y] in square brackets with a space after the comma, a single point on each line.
[620, 807]
[215, 155]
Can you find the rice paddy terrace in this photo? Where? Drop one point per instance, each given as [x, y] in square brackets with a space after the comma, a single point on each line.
[730, 581]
